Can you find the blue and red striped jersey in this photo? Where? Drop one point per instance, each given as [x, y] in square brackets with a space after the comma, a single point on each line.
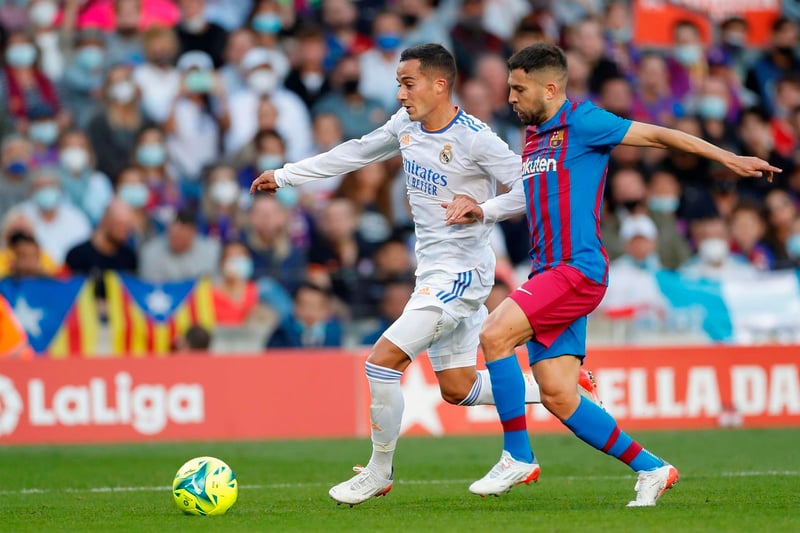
[564, 166]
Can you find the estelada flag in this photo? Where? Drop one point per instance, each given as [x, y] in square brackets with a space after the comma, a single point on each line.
[145, 318]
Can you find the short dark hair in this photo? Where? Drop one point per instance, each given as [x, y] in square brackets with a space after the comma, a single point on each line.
[313, 287]
[19, 237]
[539, 56]
[198, 338]
[433, 57]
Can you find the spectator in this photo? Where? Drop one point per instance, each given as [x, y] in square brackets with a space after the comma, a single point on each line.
[43, 132]
[16, 155]
[688, 67]
[756, 138]
[381, 61]
[197, 339]
[793, 246]
[470, 37]
[526, 33]
[42, 15]
[107, 248]
[267, 22]
[158, 80]
[357, 114]
[369, 189]
[342, 37]
[24, 88]
[220, 204]
[26, 260]
[240, 41]
[616, 95]
[311, 325]
[714, 260]
[267, 238]
[164, 196]
[492, 70]
[195, 32]
[268, 152]
[308, 79]
[748, 229]
[781, 213]
[85, 187]
[230, 14]
[82, 84]
[125, 43]
[133, 191]
[264, 71]
[778, 61]
[391, 262]
[587, 39]
[117, 122]
[16, 223]
[653, 100]
[429, 21]
[234, 293]
[732, 47]
[476, 98]
[58, 225]
[179, 255]
[578, 71]
[395, 296]
[717, 109]
[787, 100]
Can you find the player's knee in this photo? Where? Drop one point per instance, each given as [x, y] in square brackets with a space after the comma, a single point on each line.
[453, 393]
[561, 402]
[494, 342]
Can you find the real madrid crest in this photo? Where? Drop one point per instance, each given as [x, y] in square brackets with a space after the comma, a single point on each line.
[446, 155]
[556, 138]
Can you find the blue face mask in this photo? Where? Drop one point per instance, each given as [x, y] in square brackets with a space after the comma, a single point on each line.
[90, 57]
[134, 194]
[199, 82]
[240, 267]
[688, 54]
[17, 168]
[21, 55]
[663, 204]
[151, 155]
[269, 162]
[47, 198]
[713, 108]
[45, 132]
[388, 41]
[268, 23]
[287, 196]
[793, 246]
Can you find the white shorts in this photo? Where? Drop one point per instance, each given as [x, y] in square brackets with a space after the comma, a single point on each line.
[444, 316]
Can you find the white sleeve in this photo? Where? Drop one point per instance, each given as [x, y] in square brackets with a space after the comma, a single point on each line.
[496, 158]
[379, 145]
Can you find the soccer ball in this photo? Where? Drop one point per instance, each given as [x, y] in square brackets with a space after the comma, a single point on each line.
[205, 486]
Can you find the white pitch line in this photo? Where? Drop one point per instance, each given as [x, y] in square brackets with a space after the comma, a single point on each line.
[274, 486]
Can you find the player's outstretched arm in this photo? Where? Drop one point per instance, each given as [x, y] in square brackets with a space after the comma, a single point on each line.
[643, 134]
[265, 182]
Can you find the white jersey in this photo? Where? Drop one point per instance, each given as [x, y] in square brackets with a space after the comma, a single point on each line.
[464, 157]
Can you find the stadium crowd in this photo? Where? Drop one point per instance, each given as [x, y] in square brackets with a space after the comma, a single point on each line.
[132, 130]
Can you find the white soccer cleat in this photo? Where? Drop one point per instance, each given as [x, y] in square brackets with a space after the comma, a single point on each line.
[364, 485]
[504, 475]
[651, 485]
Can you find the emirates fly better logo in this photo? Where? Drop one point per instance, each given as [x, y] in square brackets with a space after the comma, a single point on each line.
[10, 406]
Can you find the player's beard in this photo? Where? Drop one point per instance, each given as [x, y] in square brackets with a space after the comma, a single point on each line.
[536, 117]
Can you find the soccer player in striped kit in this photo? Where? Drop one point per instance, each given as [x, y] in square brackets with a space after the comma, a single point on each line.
[564, 167]
[445, 152]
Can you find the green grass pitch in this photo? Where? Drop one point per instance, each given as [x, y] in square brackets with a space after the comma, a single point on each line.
[731, 480]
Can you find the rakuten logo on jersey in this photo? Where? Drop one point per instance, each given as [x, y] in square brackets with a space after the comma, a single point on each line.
[147, 407]
[539, 165]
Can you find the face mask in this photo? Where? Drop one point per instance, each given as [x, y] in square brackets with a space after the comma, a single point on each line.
[713, 250]
[713, 108]
[47, 198]
[622, 35]
[663, 204]
[43, 14]
[270, 162]
[224, 192]
[43, 132]
[350, 86]
[17, 168]
[388, 41]
[199, 82]
[688, 54]
[195, 24]
[267, 23]
[134, 194]
[262, 81]
[239, 267]
[735, 40]
[21, 55]
[90, 57]
[151, 155]
[631, 205]
[287, 196]
[122, 92]
[74, 159]
[793, 246]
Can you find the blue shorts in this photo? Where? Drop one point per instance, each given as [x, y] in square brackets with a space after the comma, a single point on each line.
[571, 342]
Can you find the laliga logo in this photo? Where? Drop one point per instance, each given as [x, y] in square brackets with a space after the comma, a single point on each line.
[10, 406]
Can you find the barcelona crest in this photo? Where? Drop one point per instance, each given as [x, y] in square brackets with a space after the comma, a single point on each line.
[556, 138]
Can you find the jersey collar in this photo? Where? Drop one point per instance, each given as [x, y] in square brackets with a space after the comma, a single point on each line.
[446, 126]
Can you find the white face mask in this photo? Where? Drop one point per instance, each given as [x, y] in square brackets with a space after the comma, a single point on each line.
[713, 250]
[262, 81]
[195, 24]
[74, 159]
[224, 192]
[122, 92]
[43, 14]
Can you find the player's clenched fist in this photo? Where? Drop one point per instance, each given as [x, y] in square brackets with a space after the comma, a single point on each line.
[264, 182]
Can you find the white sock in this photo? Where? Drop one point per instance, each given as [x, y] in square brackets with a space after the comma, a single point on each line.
[386, 413]
[481, 393]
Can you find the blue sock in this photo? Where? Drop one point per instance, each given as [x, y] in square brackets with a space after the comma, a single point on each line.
[508, 388]
[596, 427]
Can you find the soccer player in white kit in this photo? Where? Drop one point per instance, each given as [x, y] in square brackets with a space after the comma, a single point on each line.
[445, 152]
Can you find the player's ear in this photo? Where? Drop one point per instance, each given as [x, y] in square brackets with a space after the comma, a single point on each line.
[550, 90]
[440, 84]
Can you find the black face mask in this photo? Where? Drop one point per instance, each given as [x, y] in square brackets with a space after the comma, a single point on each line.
[631, 205]
[410, 20]
[350, 86]
[787, 51]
